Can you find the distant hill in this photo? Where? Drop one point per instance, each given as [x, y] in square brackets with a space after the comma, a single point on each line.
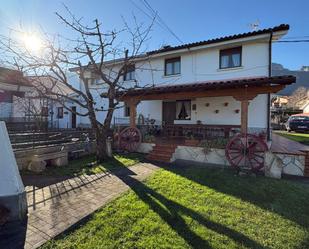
[302, 78]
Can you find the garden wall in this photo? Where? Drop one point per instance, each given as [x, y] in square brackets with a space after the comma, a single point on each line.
[290, 164]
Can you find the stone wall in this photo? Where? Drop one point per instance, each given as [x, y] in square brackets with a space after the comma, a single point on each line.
[290, 164]
[277, 164]
[200, 155]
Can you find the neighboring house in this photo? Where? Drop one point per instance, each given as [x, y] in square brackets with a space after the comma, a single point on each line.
[305, 107]
[280, 102]
[221, 64]
[13, 86]
[48, 106]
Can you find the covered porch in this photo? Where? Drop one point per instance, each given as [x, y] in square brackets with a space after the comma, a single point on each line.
[183, 105]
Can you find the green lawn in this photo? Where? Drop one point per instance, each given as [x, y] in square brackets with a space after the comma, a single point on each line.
[298, 137]
[87, 165]
[198, 208]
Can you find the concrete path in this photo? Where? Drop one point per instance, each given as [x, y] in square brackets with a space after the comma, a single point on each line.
[55, 208]
[284, 145]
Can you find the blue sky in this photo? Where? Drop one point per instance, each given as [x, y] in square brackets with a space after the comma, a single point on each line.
[191, 20]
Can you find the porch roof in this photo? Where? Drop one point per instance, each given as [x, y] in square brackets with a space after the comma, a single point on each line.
[231, 87]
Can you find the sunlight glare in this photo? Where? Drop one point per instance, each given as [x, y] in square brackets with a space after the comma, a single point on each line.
[32, 42]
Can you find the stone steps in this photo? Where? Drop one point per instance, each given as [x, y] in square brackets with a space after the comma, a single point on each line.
[162, 153]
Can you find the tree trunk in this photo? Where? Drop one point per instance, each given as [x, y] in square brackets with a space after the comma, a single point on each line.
[101, 150]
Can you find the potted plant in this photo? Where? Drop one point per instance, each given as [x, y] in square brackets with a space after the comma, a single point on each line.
[190, 140]
[148, 138]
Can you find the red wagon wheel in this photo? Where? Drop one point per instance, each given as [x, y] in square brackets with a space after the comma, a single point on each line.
[129, 139]
[246, 151]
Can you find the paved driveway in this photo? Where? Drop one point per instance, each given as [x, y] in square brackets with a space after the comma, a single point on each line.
[57, 207]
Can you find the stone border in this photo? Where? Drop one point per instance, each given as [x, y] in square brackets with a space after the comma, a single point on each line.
[296, 164]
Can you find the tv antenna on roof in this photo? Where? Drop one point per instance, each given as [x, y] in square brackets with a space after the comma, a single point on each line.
[255, 25]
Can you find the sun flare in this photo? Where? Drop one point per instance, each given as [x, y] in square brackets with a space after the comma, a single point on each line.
[32, 42]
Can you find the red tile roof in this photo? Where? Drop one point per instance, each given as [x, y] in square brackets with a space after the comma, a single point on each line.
[13, 77]
[213, 85]
[281, 27]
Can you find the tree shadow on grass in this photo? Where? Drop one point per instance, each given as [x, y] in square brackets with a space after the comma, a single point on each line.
[171, 212]
[286, 198]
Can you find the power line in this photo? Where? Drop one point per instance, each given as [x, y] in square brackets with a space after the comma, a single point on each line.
[145, 13]
[295, 37]
[152, 15]
[146, 3]
[155, 12]
[295, 41]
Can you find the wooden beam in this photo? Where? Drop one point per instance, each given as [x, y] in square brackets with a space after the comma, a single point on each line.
[244, 116]
[250, 92]
[132, 104]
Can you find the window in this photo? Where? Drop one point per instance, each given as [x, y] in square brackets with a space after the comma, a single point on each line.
[96, 81]
[126, 110]
[60, 112]
[183, 109]
[230, 58]
[172, 66]
[129, 73]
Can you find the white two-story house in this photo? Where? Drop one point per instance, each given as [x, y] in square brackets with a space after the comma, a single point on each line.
[221, 82]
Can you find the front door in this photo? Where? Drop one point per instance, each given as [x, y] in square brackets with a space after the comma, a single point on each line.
[73, 120]
[168, 112]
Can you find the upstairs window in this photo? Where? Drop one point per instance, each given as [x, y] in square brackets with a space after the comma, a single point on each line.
[129, 73]
[230, 58]
[60, 112]
[172, 66]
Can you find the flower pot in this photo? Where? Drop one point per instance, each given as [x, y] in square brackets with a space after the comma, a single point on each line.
[191, 142]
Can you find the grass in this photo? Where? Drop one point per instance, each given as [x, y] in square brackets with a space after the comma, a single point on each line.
[298, 137]
[87, 165]
[198, 208]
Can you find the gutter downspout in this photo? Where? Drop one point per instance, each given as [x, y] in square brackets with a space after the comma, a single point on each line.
[268, 95]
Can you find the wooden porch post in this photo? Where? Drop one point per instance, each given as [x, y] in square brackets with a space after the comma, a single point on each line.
[132, 104]
[244, 100]
[244, 116]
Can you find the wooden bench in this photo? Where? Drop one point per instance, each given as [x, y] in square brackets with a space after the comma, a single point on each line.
[57, 158]
[75, 154]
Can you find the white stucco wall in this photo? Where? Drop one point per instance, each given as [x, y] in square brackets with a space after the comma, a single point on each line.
[204, 66]
[6, 110]
[206, 114]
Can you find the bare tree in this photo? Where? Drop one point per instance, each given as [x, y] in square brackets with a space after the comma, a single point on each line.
[34, 108]
[93, 54]
[298, 97]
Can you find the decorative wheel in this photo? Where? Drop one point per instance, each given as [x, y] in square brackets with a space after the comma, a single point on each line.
[246, 151]
[129, 139]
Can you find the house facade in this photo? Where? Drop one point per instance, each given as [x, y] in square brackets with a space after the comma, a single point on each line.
[13, 87]
[230, 58]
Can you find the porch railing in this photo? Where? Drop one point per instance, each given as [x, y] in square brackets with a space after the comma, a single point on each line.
[201, 131]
